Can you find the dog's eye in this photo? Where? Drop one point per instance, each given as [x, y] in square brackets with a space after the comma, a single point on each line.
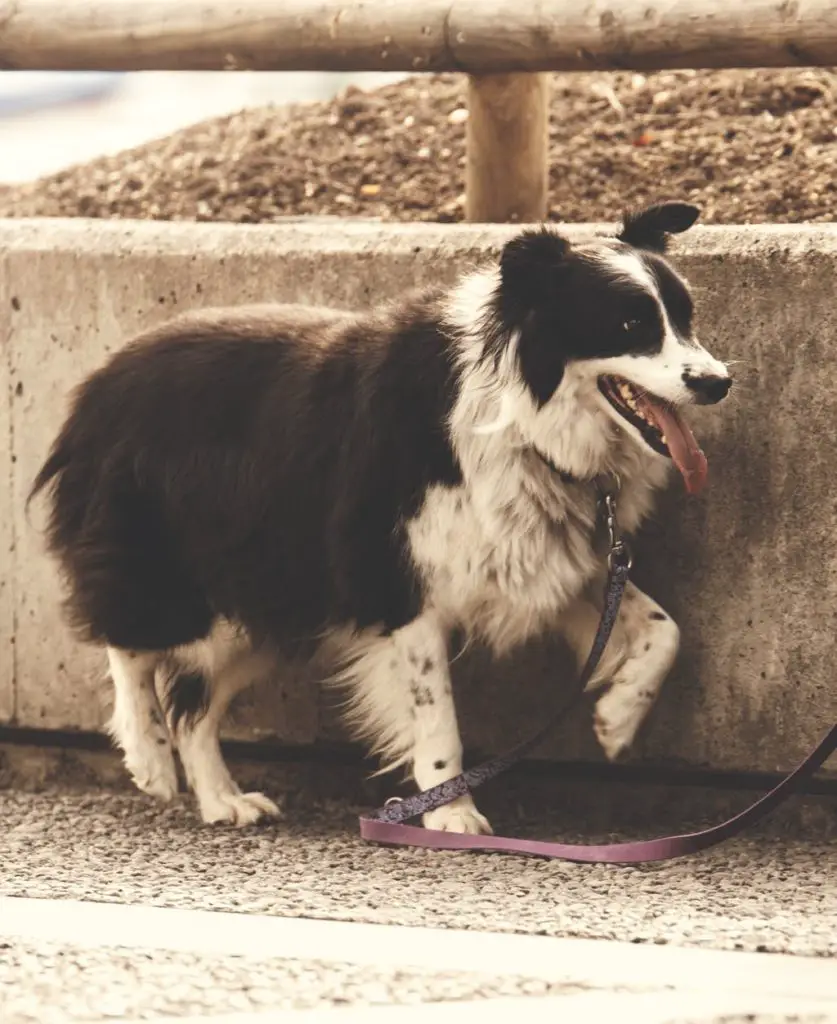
[631, 325]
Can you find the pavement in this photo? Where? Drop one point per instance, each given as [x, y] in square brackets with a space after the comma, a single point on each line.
[48, 981]
[115, 908]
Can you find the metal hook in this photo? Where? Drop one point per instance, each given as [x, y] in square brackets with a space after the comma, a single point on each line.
[619, 555]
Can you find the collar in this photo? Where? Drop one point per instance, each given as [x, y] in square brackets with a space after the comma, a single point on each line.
[566, 476]
[605, 483]
[607, 490]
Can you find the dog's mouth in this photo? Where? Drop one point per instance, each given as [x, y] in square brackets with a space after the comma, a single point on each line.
[660, 426]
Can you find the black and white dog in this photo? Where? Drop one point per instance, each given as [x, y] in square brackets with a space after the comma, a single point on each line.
[242, 481]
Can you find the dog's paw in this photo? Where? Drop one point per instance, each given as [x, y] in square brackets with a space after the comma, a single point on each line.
[239, 809]
[459, 815]
[619, 714]
[153, 770]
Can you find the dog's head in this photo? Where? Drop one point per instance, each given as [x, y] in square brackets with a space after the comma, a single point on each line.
[613, 315]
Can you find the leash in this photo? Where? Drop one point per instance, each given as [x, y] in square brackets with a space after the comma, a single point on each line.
[387, 825]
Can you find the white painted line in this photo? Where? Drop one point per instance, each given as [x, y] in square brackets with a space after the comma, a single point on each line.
[589, 962]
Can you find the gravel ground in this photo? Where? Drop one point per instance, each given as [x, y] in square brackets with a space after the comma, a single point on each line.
[759, 893]
[748, 146]
[48, 983]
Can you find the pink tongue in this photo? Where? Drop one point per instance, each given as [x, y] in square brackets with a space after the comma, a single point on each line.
[684, 449]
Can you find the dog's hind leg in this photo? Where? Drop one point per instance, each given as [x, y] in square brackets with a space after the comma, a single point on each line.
[138, 724]
[403, 703]
[198, 709]
[637, 660]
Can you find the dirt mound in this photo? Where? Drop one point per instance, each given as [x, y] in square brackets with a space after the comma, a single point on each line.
[747, 146]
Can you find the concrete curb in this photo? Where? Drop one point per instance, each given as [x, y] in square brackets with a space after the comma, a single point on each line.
[748, 570]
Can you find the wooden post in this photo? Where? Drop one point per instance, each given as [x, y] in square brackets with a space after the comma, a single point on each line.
[507, 161]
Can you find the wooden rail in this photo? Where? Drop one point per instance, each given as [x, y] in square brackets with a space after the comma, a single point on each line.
[497, 42]
[478, 36]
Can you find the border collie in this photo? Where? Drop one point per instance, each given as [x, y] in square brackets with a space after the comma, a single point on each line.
[240, 482]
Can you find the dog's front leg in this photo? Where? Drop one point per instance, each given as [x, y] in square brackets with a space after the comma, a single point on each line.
[437, 747]
[638, 657]
[403, 703]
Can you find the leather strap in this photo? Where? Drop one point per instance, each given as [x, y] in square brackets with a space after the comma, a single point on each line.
[378, 830]
[387, 824]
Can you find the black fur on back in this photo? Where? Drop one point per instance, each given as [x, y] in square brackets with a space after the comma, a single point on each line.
[257, 463]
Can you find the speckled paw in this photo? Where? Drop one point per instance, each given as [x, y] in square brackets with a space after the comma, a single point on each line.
[617, 719]
[458, 816]
[154, 771]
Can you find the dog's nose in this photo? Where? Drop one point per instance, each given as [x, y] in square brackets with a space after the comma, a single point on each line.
[709, 388]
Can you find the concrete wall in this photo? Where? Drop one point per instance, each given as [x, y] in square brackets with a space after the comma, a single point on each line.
[749, 569]
[7, 552]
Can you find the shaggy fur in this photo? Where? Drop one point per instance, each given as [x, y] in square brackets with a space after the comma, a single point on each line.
[243, 481]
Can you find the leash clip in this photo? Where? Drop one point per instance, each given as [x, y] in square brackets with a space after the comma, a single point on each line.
[619, 555]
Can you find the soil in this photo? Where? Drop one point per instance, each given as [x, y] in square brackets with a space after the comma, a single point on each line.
[747, 146]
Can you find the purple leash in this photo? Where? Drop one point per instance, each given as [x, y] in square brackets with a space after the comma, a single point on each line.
[387, 824]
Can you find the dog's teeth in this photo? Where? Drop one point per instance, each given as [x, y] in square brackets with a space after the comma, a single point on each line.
[626, 392]
[663, 439]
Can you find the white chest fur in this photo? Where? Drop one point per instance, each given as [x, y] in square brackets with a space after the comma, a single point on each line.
[502, 573]
[504, 554]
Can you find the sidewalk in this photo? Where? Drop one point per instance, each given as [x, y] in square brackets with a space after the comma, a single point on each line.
[173, 920]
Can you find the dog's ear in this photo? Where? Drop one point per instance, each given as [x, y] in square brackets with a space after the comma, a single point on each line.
[650, 228]
[529, 264]
[534, 267]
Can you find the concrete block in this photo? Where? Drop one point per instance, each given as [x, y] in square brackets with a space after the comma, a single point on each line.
[98, 294]
[7, 580]
[749, 569]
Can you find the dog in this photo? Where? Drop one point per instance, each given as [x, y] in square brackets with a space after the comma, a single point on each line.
[241, 482]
